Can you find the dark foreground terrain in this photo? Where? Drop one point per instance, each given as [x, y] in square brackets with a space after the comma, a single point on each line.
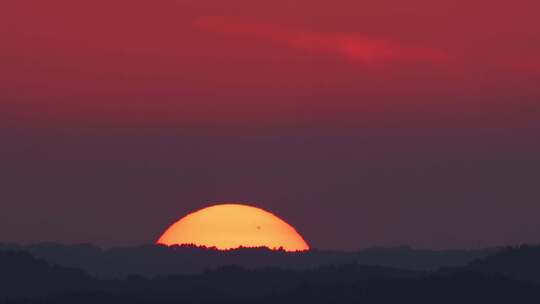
[151, 260]
[510, 275]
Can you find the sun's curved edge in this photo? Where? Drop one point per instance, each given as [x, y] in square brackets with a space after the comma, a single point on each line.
[158, 242]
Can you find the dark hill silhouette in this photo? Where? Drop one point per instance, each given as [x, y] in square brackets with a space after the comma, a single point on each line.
[25, 279]
[521, 262]
[153, 260]
[23, 275]
[331, 284]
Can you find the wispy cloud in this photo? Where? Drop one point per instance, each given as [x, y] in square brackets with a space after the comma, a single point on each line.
[351, 46]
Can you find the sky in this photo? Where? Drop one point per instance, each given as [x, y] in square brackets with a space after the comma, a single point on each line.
[361, 123]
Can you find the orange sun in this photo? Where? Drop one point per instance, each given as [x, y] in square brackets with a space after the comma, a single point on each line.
[230, 226]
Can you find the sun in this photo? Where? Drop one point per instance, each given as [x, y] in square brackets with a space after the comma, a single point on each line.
[229, 226]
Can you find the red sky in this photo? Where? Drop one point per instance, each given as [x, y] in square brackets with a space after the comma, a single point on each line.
[422, 98]
[187, 60]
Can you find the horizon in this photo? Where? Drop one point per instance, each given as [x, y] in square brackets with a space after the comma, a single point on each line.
[241, 247]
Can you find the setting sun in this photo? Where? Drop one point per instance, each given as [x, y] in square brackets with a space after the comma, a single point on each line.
[230, 226]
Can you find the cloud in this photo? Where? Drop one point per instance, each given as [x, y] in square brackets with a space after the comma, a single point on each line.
[350, 46]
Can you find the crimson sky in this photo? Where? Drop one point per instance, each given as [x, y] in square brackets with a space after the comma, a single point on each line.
[363, 123]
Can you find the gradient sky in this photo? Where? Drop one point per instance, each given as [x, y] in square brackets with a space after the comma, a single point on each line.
[362, 123]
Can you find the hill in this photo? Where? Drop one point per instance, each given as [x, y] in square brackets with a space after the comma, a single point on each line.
[152, 260]
[23, 275]
[521, 263]
[493, 279]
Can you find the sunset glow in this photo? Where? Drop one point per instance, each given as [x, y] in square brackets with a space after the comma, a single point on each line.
[230, 226]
